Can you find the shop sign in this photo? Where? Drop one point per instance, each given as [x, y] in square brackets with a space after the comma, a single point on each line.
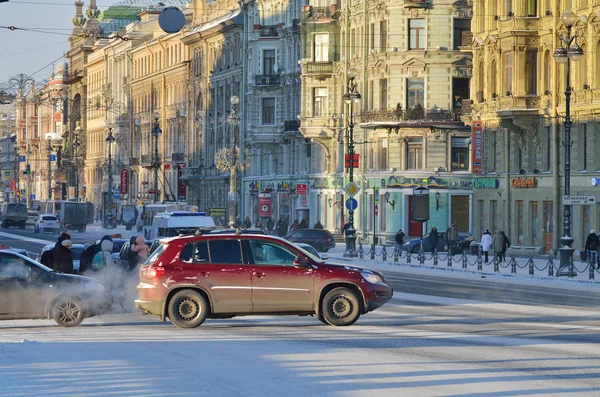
[254, 185]
[214, 212]
[283, 186]
[124, 181]
[264, 205]
[320, 183]
[477, 147]
[486, 183]
[522, 183]
[181, 188]
[301, 188]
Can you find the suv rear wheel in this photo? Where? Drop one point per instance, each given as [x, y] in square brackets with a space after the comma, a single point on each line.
[341, 307]
[187, 309]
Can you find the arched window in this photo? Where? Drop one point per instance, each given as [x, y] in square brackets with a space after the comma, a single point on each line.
[582, 75]
[480, 82]
[596, 68]
[494, 78]
[547, 72]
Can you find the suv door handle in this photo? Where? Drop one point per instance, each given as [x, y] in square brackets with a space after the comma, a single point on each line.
[205, 274]
[259, 274]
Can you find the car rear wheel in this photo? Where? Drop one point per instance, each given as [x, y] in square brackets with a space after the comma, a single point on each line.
[341, 307]
[68, 312]
[187, 309]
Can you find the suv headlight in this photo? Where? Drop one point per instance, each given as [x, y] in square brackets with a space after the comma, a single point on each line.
[94, 286]
[372, 278]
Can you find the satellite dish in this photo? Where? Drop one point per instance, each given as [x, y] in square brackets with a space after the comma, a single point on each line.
[171, 20]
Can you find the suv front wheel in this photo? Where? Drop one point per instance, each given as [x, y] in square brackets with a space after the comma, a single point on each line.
[187, 309]
[341, 307]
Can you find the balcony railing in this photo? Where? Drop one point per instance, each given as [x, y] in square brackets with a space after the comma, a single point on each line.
[267, 79]
[416, 3]
[291, 126]
[415, 115]
[318, 67]
[268, 31]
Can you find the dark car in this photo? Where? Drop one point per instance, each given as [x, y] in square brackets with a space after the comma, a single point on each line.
[30, 290]
[321, 239]
[189, 279]
[413, 246]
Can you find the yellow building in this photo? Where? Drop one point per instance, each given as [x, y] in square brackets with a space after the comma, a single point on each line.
[518, 96]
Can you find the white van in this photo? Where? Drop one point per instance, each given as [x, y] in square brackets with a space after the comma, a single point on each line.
[172, 224]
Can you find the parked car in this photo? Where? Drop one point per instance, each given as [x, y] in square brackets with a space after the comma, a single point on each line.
[413, 246]
[191, 278]
[321, 239]
[38, 292]
[310, 249]
[13, 214]
[31, 217]
[76, 251]
[47, 223]
[17, 250]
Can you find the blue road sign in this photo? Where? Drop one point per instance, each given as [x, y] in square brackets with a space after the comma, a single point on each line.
[351, 204]
[32, 197]
[22, 159]
[52, 157]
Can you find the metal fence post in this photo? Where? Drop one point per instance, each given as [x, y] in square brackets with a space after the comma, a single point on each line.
[396, 255]
[530, 266]
[571, 268]
[361, 253]
[373, 251]
[591, 270]
[421, 255]
[464, 259]
[513, 265]
[496, 263]
[479, 261]
[435, 258]
[408, 257]
[384, 253]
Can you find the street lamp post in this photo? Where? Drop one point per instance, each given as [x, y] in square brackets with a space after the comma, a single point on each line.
[49, 149]
[234, 122]
[109, 140]
[76, 146]
[351, 97]
[565, 54]
[156, 131]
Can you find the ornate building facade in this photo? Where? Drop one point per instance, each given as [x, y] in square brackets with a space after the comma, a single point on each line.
[519, 102]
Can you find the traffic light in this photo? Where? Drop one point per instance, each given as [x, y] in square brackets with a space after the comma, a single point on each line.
[27, 169]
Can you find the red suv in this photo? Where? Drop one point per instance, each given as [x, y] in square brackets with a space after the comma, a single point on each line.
[188, 279]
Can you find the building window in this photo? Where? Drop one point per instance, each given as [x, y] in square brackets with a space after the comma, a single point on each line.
[508, 64]
[383, 213]
[583, 146]
[416, 34]
[520, 222]
[492, 158]
[460, 212]
[460, 91]
[370, 96]
[508, 7]
[383, 93]
[597, 69]
[372, 38]
[321, 53]
[268, 111]
[481, 213]
[382, 154]
[480, 82]
[531, 72]
[415, 93]
[459, 154]
[383, 35]
[534, 223]
[547, 142]
[319, 102]
[532, 8]
[547, 72]
[493, 215]
[459, 27]
[268, 62]
[414, 153]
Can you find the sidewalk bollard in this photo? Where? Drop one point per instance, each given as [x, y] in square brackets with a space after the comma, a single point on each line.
[591, 270]
[396, 255]
[513, 265]
[361, 253]
[372, 251]
[408, 257]
[551, 267]
[530, 262]
[496, 264]
[479, 262]
[449, 260]
[421, 256]
[571, 268]
[464, 259]
[435, 258]
[384, 253]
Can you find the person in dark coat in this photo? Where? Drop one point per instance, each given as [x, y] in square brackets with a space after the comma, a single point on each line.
[62, 257]
[318, 225]
[506, 245]
[303, 224]
[399, 240]
[434, 239]
[247, 223]
[592, 245]
[270, 226]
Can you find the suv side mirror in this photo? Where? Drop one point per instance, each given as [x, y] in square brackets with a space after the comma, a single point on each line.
[300, 262]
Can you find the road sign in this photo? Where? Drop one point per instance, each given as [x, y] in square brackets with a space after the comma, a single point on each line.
[376, 210]
[32, 196]
[375, 195]
[52, 157]
[579, 200]
[351, 204]
[22, 159]
[351, 188]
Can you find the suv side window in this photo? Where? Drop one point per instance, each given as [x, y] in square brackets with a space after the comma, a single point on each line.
[225, 252]
[270, 254]
[195, 253]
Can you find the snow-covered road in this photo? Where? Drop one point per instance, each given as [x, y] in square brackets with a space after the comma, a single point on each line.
[414, 346]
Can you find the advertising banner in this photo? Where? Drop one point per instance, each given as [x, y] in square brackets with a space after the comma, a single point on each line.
[124, 181]
[181, 188]
[264, 205]
[301, 188]
[477, 147]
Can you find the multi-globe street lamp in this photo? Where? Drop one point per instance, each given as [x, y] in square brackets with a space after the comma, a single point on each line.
[234, 122]
[76, 146]
[156, 131]
[571, 51]
[49, 149]
[109, 140]
[351, 97]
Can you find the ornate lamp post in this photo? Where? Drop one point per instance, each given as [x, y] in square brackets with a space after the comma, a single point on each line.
[49, 150]
[571, 51]
[156, 131]
[351, 97]
[109, 140]
[234, 122]
[76, 146]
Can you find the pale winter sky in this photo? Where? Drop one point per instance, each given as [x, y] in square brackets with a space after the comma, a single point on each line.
[28, 52]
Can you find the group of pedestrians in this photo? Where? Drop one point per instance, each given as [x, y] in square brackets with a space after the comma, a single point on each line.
[281, 229]
[592, 248]
[498, 244]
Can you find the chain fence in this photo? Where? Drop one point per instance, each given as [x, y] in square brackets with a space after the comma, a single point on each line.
[448, 259]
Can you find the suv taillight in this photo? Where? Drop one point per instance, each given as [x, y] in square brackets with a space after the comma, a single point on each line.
[153, 271]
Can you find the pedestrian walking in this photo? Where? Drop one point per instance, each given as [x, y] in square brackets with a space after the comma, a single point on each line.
[498, 244]
[62, 257]
[247, 223]
[399, 237]
[486, 243]
[592, 244]
[270, 226]
[506, 245]
[295, 226]
[434, 239]
[303, 224]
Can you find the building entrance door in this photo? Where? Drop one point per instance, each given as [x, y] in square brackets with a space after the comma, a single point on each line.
[548, 226]
[414, 227]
